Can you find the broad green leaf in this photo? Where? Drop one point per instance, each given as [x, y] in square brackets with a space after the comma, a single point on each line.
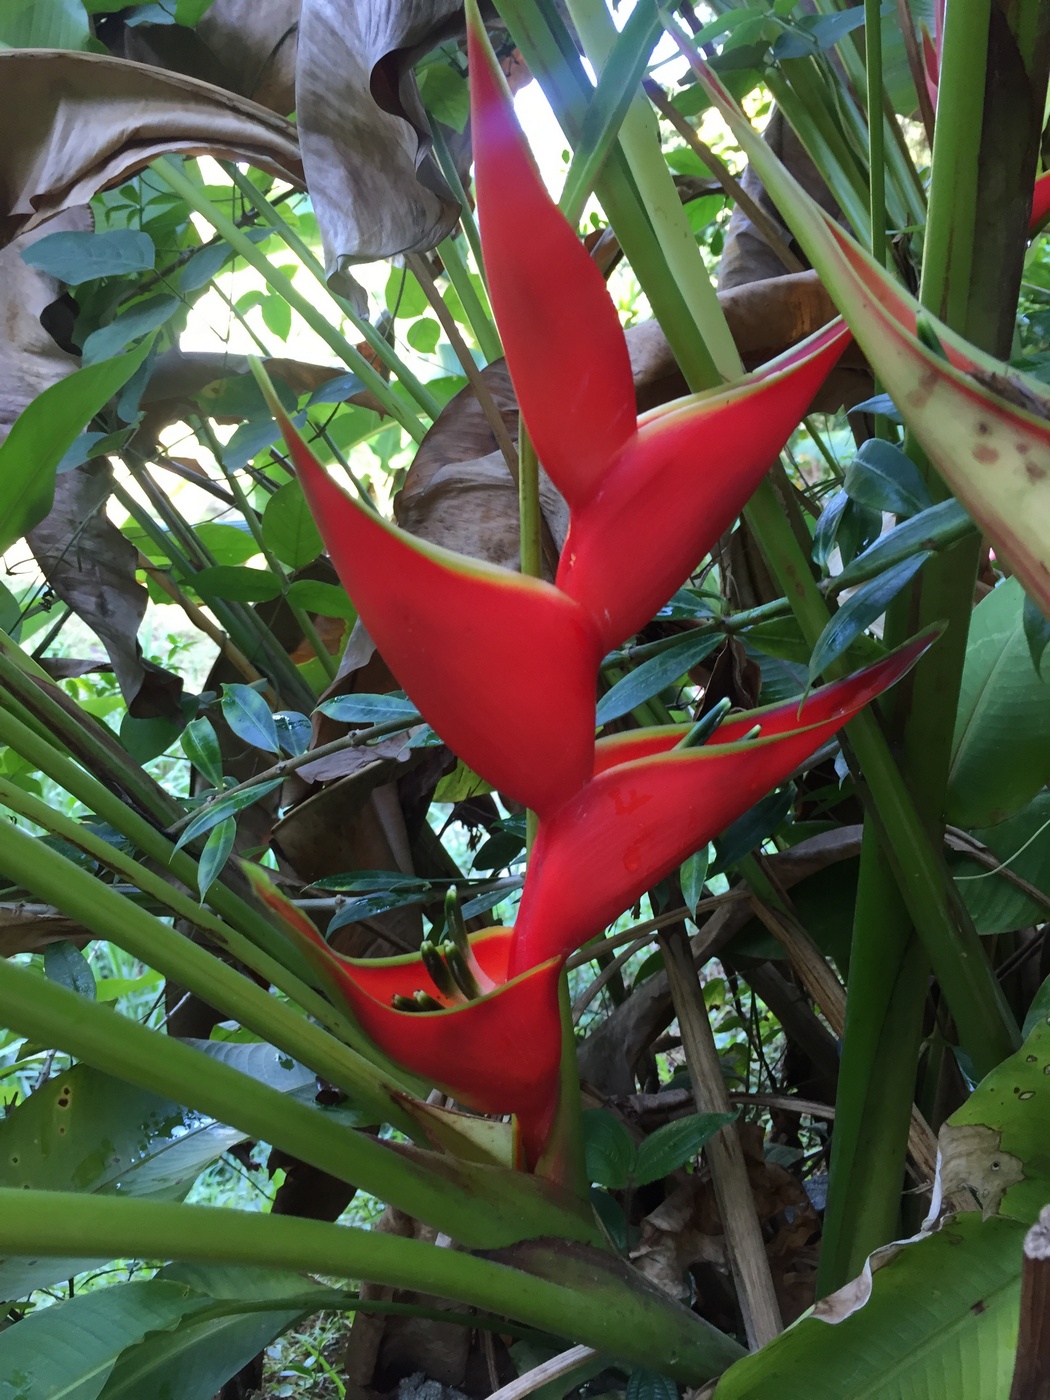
[940, 1324]
[650, 1385]
[227, 544]
[200, 744]
[1022, 844]
[460, 784]
[860, 610]
[43, 432]
[145, 739]
[142, 318]
[655, 675]
[44, 24]
[190, 12]
[293, 731]
[1039, 1009]
[193, 1360]
[288, 527]
[65, 964]
[81, 257]
[404, 296]
[671, 1146]
[67, 1351]
[423, 335]
[216, 853]
[224, 807]
[328, 599]
[370, 709]
[1036, 631]
[608, 1148]
[277, 315]
[203, 266]
[239, 584]
[1001, 750]
[249, 716]
[881, 476]
[445, 94]
[368, 906]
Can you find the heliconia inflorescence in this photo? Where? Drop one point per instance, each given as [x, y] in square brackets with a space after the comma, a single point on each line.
[505, 667]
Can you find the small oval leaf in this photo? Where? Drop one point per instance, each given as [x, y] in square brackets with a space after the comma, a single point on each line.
[250, 718]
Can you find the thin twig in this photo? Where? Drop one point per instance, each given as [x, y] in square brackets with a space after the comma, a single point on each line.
[559, 1365]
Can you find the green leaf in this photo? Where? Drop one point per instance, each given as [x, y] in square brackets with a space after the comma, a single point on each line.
[227, 544]
[200, 744]
[750, 830]
[293, 731]
[937, 528]
[650, 1385]
[237, 583]
[460, 784]
[882, 477]
[142, 318]
[655, 675]
[277, 316]
[1022, 844]
[445, 94]
[224, 807]
[81, 257]
[1036, 631]
[216, 853]
[404, 296]
[1038, 1011]
[44, 24]
[315, 596]
[423, 335]
[692, 876]
[370, 709]
[608, 1149]
[288, 527]
[860, 610]
[190, 12]
[145, 739]
[369, 906]
[353, 881]
[205, 264]
[43, 433]
[940, 1324]
[67, 1351]
[671, 1146]
[1001, 751]
[249, 716]
[65, 964]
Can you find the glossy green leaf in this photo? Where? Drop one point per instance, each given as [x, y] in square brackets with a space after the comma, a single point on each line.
[65, 964]
[608, 1148]
[288, 527]
[42, 434]
[882, 477]
[293, 731]
[142, 318]
[671, 1146]
[68, 1351]
[80, 257]
[860, 610]
[1001, 750]
[205, 264]
[368, 906]
[1036, 631]
[692, 875]
[249, 716]
[200, 744]
[217, 851]
[650, 1385]
[223, 807]
[655, 675]
[370, 709]
[754, 827]
[940, 1324]
[937, 528]
[238, 584]
[328, 599]
[1022, 845]
[44, 24]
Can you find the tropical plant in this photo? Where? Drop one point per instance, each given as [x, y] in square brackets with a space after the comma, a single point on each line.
[248, 903]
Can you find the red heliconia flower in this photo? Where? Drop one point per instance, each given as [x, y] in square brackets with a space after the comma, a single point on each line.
[650, 805]
[648, 498]
[496, 1054]
[1040, 203]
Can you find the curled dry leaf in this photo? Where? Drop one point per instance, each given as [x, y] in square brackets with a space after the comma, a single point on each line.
[376, 187]
[76, 123]
[29, 929]
[91, 566]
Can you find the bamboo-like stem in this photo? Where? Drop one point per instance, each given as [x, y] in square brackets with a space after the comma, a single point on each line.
[477, 312]
[615, 1315]
[736, 1205]
[876, 129]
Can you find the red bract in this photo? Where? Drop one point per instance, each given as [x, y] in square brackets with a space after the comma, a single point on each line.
[648, 499]
[1040, 202]
[649, 806]
[502, 666]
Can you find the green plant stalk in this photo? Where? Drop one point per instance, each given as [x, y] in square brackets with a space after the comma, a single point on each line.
[480, 1207]
[110, 915]
[876, 129]
[551, 55]
[640, 142]
[530, 537]
[382, 347]
[615, 1314]
[344, 1062]
[887, 990]
[477, 313]
[175, 178]
[455, 184]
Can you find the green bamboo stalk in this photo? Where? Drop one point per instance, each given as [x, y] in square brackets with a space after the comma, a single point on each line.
[175, 178]
[477, 312]
[481, 1207]
[613, 1312]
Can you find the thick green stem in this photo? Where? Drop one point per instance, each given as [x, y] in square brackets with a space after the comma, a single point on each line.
[876, 129]
[617, 1313]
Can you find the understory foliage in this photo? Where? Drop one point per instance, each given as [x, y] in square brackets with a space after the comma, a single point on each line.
[524, 739]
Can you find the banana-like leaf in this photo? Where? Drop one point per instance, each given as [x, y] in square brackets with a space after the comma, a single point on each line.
[983, 427]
